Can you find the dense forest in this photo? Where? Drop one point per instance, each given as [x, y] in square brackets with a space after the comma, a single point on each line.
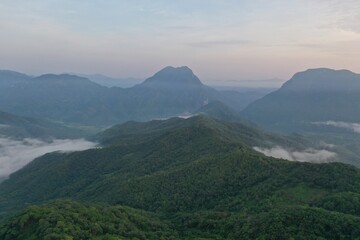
[196, 178]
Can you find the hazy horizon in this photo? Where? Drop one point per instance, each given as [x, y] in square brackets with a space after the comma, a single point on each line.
[219, 40]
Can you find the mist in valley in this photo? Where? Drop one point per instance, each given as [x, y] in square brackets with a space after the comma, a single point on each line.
[354, 127]
[307, 155]
[14, 154]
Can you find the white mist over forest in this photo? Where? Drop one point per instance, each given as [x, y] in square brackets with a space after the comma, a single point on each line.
[14, 154]
[307, 155]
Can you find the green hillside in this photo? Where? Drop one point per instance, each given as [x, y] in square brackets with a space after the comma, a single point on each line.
[200, 177]
[219, 110]
[24, 127]
[72, 220]
[225, 130]
[83, 221]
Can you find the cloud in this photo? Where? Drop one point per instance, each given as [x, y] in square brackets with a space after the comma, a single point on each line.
[348, 16]
[355, 127]
[308, 155]
[327, 145]
[208, 44]
[14, 154]
[182, 27]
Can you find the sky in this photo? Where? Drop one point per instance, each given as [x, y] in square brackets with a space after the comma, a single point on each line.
[221, 40]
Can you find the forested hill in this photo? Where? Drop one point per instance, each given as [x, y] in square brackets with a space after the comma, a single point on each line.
[23, 127]
[199, 176]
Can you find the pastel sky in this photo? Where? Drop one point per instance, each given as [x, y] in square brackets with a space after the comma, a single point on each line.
[220, 40]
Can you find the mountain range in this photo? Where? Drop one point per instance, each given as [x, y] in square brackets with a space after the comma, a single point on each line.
[72, 99]
[195, 178]
[316, 99]
[212, 174]
[106, 81]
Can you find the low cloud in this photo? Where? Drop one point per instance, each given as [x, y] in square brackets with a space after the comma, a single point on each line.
[186, 115]
[327, 145]
[355, 127]
[308, 155]
[14, 154]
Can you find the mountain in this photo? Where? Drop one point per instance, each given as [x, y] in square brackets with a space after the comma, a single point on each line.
[72, 99]
[140, 132]
[65, 98]
[10, 77]
[23, 127]
[173, 78]
[175, 91]
[200, 177]
[111, 82]
[219, 110]
[170, 92]
[313, 96]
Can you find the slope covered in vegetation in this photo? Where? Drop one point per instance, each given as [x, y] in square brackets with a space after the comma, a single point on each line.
[72, 220]
[201, 178]
[23, 127]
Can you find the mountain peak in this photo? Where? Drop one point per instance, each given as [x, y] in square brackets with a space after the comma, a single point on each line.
[171, 69]
[173, 77]
[325, 72]
[324, 79]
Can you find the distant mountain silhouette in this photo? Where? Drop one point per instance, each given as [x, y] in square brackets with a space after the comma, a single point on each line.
[170, 77]
[61, 97]
[314, 95]
[10, 77]
[106, 81]
[69, 98]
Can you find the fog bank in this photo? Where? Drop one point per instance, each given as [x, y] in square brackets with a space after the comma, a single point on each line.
[355, 127]
[308, 155]
[14, 154]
